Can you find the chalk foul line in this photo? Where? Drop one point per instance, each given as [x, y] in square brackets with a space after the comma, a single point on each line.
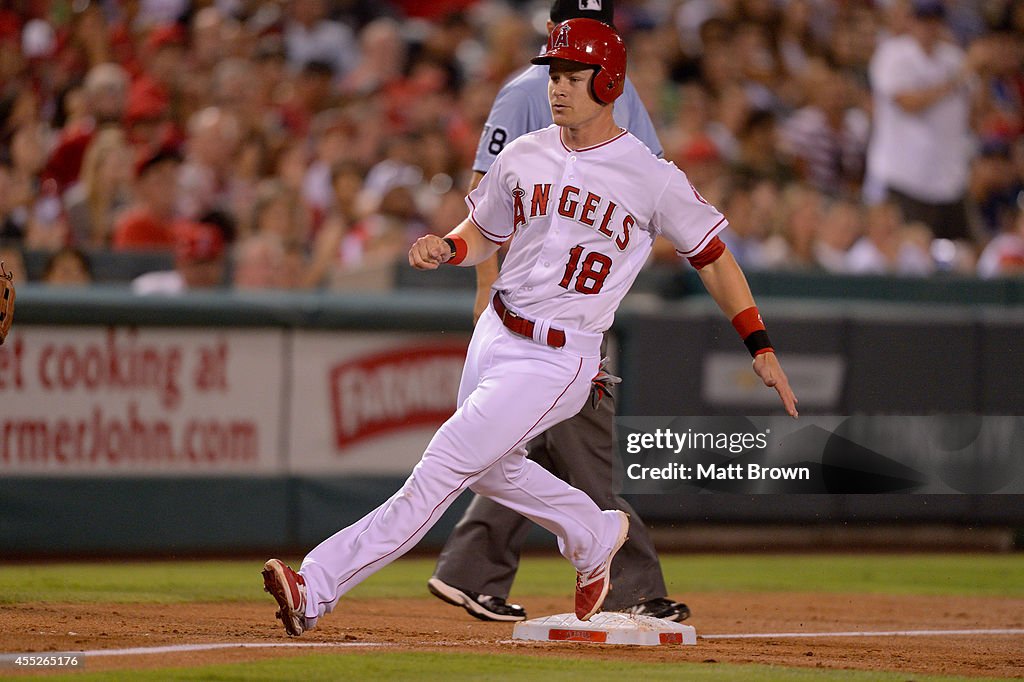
[211, 646]
[871, 633]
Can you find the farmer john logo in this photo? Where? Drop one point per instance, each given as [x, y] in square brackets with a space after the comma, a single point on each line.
[374, 395]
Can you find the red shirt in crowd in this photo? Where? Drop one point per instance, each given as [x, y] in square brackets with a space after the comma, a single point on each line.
[140, 228]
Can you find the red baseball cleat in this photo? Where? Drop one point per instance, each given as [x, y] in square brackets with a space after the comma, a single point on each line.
[288, 588]
[592, 586]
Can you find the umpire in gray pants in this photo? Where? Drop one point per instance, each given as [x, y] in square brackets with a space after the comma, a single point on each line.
[479, 562]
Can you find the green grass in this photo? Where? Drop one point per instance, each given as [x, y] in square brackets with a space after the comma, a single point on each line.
[455, 666]
[188, 581]
[927, 574]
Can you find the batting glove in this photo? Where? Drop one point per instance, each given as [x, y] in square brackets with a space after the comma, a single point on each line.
[601, 384]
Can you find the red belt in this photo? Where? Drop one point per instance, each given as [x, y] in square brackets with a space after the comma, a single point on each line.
[524, 327]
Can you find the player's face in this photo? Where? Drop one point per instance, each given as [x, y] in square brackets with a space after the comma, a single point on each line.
[569, 94]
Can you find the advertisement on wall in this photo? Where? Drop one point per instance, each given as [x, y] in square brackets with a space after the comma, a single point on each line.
[369, 403]
[125, 401]
[817, 379]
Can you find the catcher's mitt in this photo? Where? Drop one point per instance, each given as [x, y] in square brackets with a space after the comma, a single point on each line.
[6, 302]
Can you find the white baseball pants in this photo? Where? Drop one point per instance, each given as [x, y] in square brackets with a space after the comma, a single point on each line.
[512, 389]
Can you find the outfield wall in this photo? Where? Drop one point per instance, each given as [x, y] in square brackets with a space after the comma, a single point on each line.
[228, 422]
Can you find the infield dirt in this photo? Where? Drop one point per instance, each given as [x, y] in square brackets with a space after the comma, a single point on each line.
[429, 625]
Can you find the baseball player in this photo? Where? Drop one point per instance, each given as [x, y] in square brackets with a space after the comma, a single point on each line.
[478, 563]
[581, 202]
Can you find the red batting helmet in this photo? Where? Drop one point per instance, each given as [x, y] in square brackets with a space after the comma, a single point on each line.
[590, 42]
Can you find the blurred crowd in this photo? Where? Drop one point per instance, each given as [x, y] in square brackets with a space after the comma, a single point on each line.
[306, 143]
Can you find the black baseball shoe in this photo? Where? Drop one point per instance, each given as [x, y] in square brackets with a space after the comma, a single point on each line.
[482, 606]
[666, 609]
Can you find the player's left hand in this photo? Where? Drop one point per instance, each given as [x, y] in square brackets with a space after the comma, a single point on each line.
[767, 366]
[428, 252]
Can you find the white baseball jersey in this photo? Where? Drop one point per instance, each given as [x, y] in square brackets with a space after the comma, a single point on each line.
[582, 223]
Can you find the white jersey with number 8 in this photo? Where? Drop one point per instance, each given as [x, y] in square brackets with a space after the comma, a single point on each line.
[582, 223]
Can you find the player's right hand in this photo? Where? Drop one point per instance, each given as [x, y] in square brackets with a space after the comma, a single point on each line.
[428, 252]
